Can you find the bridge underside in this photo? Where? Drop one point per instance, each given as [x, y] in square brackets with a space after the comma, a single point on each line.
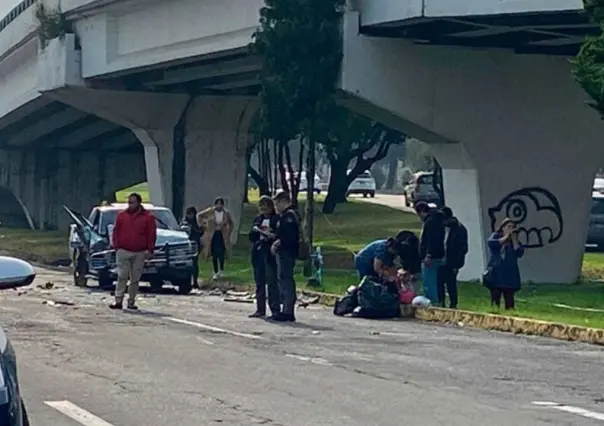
[555, 33]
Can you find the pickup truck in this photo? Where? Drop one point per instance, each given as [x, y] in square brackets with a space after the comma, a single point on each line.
[92, 254]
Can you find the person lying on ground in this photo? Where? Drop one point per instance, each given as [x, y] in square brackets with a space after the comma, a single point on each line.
[377, 259]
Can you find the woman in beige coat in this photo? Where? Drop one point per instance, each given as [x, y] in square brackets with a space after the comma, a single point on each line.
[218, 224]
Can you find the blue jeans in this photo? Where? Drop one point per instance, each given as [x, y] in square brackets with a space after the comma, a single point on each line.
[430, 280]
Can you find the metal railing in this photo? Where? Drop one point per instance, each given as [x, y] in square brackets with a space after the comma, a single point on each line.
[15, 12]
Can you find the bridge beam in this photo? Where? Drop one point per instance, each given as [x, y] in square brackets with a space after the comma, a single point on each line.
[513, 133]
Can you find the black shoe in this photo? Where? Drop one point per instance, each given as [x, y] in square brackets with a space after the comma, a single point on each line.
[281, 317]
[116, 306]
[132, 307]
[257, 314]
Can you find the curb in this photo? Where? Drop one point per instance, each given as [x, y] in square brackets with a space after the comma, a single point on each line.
[513, 325]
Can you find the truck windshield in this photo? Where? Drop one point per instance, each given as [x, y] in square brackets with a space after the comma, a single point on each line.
[165, 219]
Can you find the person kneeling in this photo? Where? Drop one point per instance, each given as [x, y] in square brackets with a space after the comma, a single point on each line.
[376, 260]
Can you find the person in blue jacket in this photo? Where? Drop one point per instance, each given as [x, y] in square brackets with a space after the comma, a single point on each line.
[503, 276]
[377, 259]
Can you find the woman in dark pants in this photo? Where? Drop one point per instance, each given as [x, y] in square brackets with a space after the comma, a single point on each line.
[503, 275]
[262, 237]
[195, 234]
[218, 224]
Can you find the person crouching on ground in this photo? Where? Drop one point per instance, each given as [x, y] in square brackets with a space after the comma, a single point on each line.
[431, 248]
[376, 260]
[456, 248]
[286, 248]
[218, 223]
[504, 276]
[134, 237]
[195, 234]
[262, 237]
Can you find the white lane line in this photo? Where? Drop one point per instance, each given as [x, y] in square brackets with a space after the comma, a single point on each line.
[318, 361]
[570, 409]
[214, 329]
[76, 413]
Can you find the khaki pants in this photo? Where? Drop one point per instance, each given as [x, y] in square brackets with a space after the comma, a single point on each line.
[130, 265]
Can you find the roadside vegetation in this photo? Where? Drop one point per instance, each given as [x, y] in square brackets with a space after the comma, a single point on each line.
[340, 235]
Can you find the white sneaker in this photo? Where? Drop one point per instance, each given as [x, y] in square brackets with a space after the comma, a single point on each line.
[220, 274]
[215, 276]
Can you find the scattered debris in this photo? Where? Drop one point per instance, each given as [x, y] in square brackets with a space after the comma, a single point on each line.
[245, 299]
[58, 302]
[234, 293]
[304, 301]
[47, 286]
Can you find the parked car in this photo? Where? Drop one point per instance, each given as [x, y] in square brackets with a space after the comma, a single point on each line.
[595, 234]
[92, 255]
[13, 273]
[363, 184]
[421, 188]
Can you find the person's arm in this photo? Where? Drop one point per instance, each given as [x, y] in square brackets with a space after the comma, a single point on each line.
[464, 241]
[151, 233]
[496, 241]
[202, 215]
[117, 227]
[254, 235]
[518, 248]
[423, 243]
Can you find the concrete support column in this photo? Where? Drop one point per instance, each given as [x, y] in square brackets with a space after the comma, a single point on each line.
[513, 133]
[194, 148]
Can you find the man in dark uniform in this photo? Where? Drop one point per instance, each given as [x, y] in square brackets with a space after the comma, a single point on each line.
[456, 248]
[285, 248]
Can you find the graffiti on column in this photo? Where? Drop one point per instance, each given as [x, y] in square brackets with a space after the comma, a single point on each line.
[536, 213]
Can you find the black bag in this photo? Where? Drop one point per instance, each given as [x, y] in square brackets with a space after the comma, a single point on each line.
[488, 276]
[377, 300]
[346, 305]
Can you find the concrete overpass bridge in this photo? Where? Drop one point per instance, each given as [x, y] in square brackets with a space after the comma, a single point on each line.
[486, 82]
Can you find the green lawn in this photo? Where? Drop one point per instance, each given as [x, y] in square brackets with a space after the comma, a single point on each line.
[349, 229]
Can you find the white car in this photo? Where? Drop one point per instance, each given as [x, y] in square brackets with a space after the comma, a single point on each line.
[363, 184]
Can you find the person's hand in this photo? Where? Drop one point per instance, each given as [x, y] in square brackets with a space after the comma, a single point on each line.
[148, 255]
[428, 260]
[270, 235]
[275, 247]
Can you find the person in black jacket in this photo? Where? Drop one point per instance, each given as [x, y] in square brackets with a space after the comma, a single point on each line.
[431, 248]
[195, 234]
[456, 248]
[286, 248]
[262, 237]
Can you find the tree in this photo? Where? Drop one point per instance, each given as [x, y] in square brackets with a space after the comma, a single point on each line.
[353, 139]
[300, 44]
[588, 66]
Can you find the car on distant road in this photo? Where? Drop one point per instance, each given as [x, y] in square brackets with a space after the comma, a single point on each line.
[92, 255]
[363, 184]
[595, 233]
[421, 188]
[14, 273]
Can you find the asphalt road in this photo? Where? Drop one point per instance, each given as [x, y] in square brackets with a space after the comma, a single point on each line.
[198, 360]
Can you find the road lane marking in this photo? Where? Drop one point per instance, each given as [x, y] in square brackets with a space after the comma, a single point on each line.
[318, 361]
[214, 329]
[76, 413]
[570, 409]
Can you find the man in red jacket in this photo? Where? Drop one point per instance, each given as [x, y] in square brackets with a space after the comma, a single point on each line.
[134, 241]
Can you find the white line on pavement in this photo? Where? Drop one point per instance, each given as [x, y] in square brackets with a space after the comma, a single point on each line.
[570, 409]
[76, 413]
[318, 361]
[214, 329]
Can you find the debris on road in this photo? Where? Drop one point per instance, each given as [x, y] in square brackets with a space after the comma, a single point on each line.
[46, 286]
[58, 302]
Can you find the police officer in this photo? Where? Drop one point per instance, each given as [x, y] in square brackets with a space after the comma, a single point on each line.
[285, 248]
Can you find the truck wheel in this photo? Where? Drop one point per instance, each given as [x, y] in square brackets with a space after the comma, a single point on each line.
[80, 269]
[105, 281]
[407, 203]
[156, 285]
[365, 194]
[372, 194]
[184, 285]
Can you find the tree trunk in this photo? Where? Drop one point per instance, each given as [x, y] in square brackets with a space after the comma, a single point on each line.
[392, 173]
[338, 185]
